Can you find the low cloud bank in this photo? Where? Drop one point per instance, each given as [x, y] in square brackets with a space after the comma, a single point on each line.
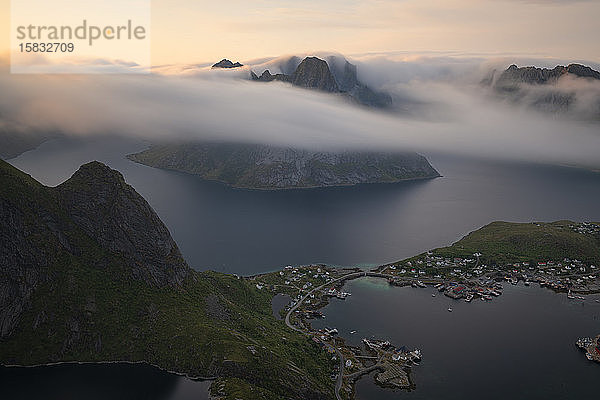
[441, 107]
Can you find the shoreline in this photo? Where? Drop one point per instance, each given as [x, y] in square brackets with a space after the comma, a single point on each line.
[338, 282]
[131, 157]
[305, 327]
[59, 363]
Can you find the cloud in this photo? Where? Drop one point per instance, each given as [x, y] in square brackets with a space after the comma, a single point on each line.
[443, 108]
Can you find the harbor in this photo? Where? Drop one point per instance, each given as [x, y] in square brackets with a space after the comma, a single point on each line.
[458, 279]
[520, 326]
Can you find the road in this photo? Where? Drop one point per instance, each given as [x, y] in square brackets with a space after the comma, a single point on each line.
[338, 384]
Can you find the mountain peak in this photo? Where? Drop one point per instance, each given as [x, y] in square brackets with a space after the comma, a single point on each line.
[583, 71]
[225, 63]
[333, 75]
[97, 171]
[314, 73]
[112, 213]
[534, 75]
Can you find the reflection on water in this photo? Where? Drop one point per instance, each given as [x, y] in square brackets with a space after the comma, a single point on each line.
[98, 382]
[247, 232]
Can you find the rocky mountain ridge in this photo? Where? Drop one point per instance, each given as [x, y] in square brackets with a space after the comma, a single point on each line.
[557, 90]
[89, 273]
[540, 76]
[42, 225]
[334, 75]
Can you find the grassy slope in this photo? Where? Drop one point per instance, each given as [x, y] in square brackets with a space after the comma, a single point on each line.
[510, 242]
[91, 311]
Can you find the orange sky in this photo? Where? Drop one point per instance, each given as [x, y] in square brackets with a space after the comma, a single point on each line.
[189, 31]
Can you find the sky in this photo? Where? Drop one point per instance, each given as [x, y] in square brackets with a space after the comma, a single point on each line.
[193, 31]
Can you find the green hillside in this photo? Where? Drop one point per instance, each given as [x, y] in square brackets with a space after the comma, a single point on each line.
[509, 241]
[71, 290]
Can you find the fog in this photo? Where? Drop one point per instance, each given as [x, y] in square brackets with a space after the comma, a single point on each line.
[440, 106]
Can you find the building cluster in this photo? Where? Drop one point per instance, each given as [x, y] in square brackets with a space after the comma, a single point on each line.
[586, 228]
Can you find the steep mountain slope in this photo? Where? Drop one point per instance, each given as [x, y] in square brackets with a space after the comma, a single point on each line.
[90, 273]
[267, 167]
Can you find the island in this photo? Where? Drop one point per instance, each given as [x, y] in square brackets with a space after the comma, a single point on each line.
[266, 167]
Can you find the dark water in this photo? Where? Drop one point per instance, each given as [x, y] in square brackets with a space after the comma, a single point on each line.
[278, 303]
[98, 382]
[519, 346]
[247, 232]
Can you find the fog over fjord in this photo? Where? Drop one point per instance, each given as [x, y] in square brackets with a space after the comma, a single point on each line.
[440, 106]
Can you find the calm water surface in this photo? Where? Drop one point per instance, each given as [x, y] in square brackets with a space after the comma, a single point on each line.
[518, 346]
[247, 232]
[98, 382]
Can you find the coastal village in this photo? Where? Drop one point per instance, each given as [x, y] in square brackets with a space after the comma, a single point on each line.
[471, 278]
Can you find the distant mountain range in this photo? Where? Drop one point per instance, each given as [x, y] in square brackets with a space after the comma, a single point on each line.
[548, 90]
[89, 273]
[514, 75]
[257, 166]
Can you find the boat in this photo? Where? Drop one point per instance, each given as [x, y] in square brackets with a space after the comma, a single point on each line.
[569, 295]
[432, 294]
[469, 298]
[527, 283]
[449, 309]
[415, 355]
[352, 332]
